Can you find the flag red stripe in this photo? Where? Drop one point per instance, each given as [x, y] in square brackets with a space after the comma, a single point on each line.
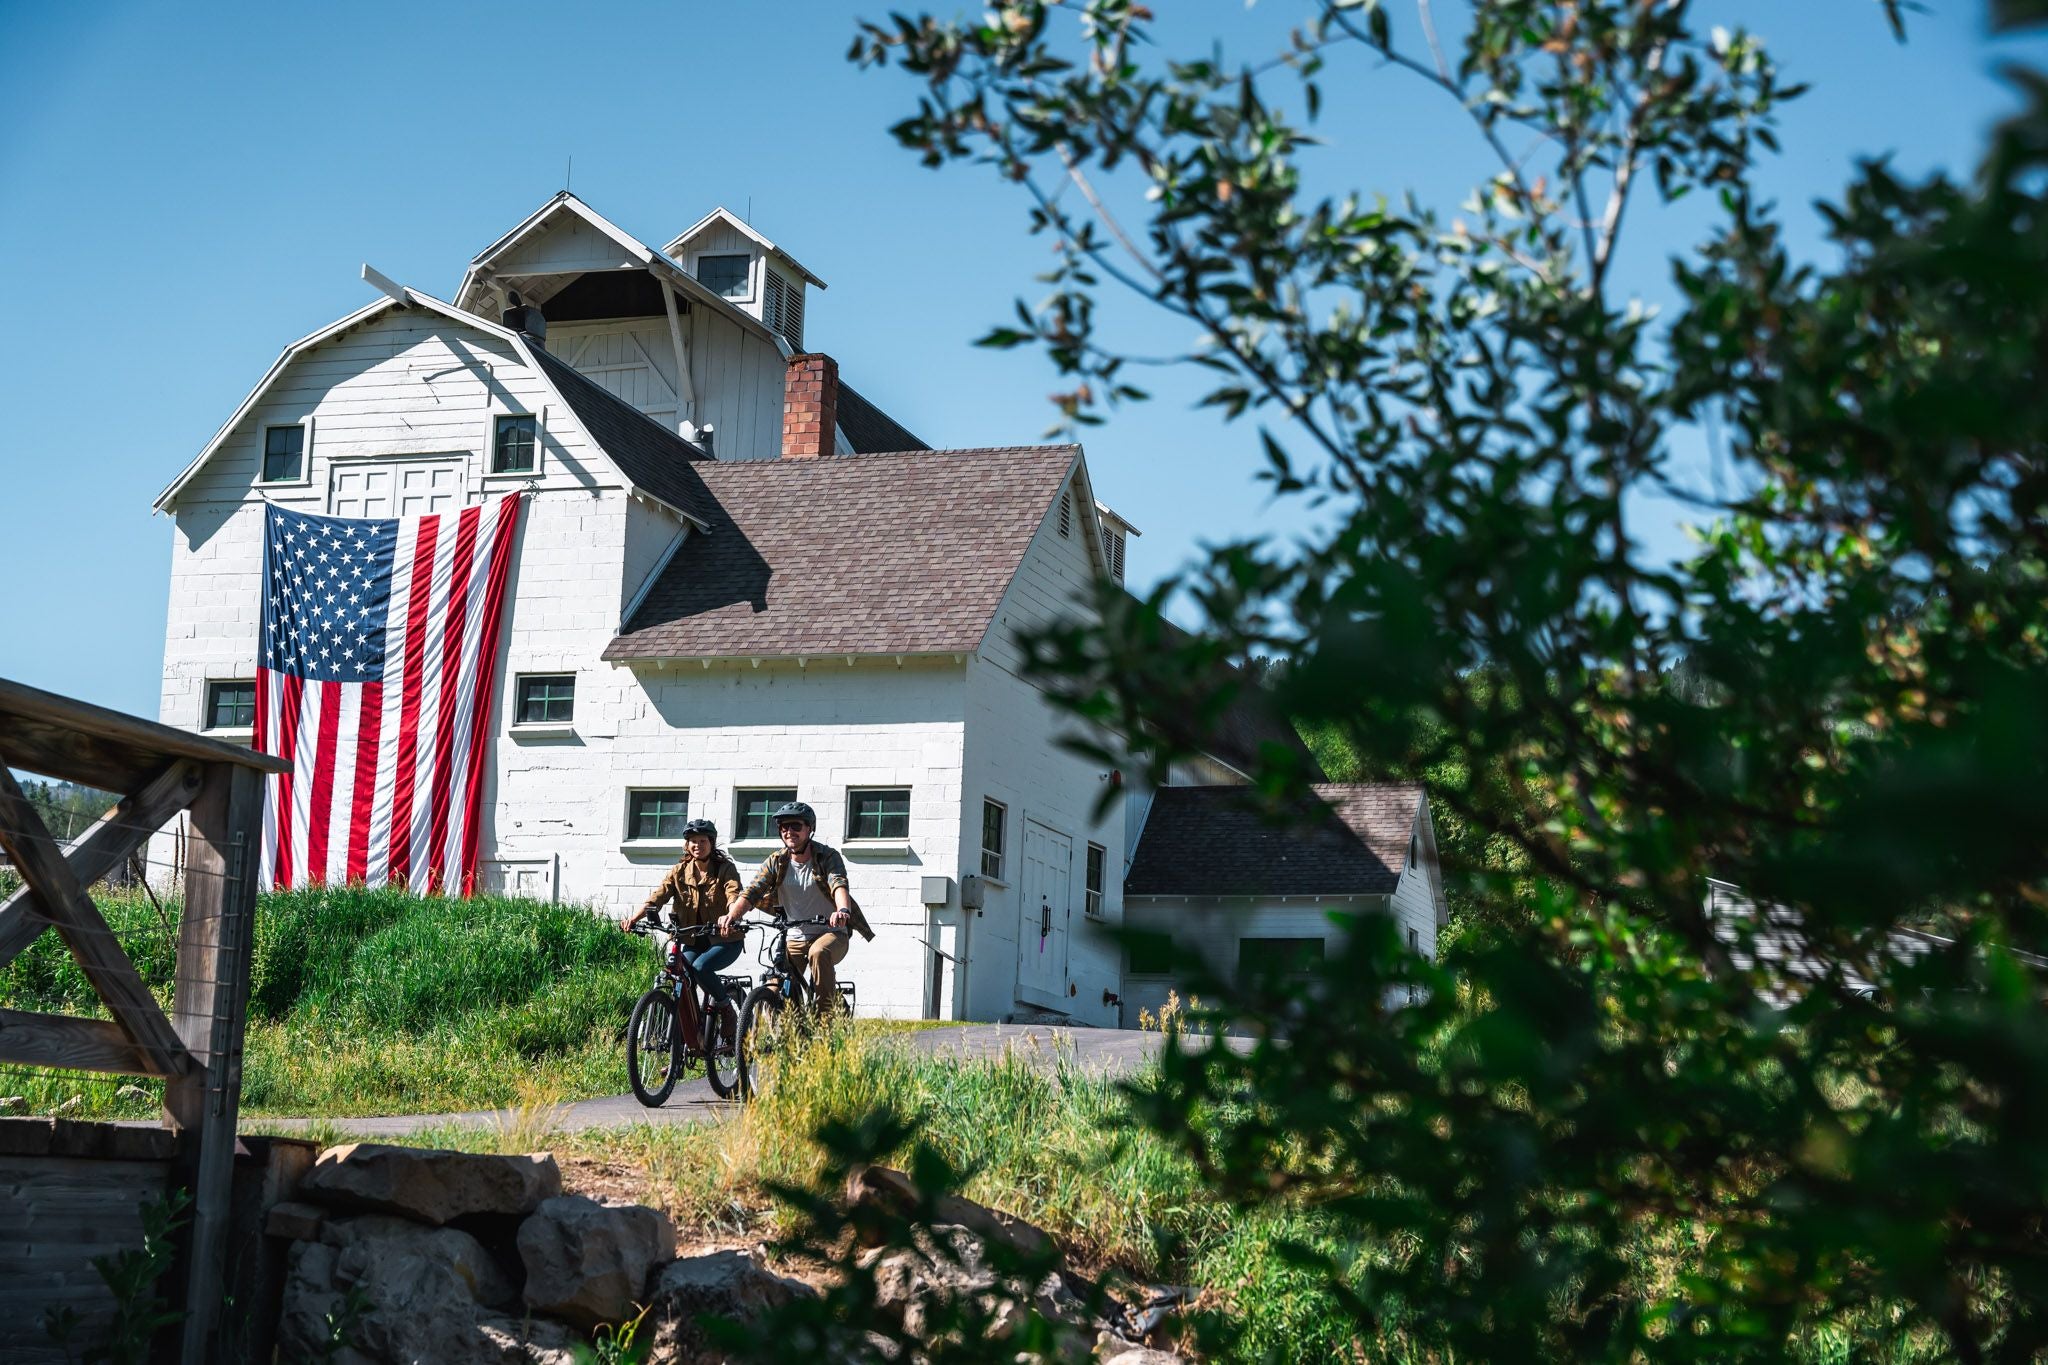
[323, 784]
[409, 704]
[486, 687]
[372, 721]
[289, 697]
[439, 793]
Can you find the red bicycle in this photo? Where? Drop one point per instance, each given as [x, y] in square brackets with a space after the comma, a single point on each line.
[678, 1022]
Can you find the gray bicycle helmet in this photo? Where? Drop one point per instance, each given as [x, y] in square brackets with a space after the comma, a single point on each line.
[796, 810]
[703, 827]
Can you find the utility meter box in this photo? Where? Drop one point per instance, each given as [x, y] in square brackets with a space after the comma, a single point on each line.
[936, 890]
[971, 893]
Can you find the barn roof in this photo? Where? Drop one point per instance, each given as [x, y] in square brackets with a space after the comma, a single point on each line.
[901, 553]
[654, 459]
[868, 429]
[1212, 841]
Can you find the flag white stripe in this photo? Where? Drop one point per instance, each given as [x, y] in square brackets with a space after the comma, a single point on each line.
[430, 697]
[307, 745]
[341, 816]
[466, 682]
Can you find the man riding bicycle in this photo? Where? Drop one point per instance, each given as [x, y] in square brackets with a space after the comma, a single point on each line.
[702, 887]
[808, 881]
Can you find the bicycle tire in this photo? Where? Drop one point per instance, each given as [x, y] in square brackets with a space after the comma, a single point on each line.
[651, 1033]
[722, 1049]
[762, 1017]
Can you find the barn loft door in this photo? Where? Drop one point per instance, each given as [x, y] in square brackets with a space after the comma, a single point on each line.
[1044, 910]
[397, 488]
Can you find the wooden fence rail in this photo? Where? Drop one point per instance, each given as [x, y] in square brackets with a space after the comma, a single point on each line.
[197, 1048]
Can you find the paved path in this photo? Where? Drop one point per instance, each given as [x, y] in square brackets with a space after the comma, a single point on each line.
[1113, 1052]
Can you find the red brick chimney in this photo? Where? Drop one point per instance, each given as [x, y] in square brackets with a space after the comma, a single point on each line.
[810, 406]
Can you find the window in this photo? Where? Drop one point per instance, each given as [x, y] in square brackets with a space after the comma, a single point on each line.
[1148, 954]
[878, 814]
[657, 814]
[993, 814]
[513, 440]
[546, 699]
[753, 814]
[1092, 897]
[725, 276]
[284, 454]
[231, 706]
[1279, 956]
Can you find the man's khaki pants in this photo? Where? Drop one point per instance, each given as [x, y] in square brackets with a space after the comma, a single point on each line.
[825, 952]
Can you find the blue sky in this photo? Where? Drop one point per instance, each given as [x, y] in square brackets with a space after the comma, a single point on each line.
[189, 188]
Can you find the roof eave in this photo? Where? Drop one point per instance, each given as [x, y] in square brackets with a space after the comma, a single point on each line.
[820, 655]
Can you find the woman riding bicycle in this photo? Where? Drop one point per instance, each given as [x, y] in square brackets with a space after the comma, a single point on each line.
[702, 888]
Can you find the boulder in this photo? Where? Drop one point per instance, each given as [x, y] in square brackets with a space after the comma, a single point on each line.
[430, 1186]
[377, 1290]
[725, 1284]
[893, 1193]
[1143, 1355]
[949, 1265]
[590, 1262]
[293, 1221]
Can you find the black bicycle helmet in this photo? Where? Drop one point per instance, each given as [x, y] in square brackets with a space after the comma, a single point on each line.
[703, 827]
[796, 810]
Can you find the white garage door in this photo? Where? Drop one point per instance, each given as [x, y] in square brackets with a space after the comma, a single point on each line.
[396, 488]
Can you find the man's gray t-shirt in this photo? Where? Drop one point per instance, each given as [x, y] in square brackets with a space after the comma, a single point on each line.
[804, 897]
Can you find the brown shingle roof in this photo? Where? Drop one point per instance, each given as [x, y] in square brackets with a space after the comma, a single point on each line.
[1212, 841]
[906, 553]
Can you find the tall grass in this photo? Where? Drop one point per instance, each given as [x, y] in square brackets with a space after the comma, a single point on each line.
[365, 1002]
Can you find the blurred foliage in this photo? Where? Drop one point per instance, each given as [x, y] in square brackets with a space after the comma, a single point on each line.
[1834, 701]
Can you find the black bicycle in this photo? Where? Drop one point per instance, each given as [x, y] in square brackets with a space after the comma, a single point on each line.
[773, 1009]
[678, 1022]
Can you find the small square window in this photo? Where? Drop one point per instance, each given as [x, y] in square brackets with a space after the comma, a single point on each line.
[513, 442]
[878, 814]
[754, 810]
[284, 454]
[546, 699]
[657, 814]
[231, 706]
[1148, 954]
[1092, 897]
[993, 814]
[725, 276]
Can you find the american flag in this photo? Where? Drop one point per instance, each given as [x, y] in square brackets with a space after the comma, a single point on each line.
[375, 678]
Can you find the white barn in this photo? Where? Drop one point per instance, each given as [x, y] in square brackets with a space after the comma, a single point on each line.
[736, 581]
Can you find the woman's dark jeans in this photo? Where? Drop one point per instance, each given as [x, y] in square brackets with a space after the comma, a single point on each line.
[705, 963]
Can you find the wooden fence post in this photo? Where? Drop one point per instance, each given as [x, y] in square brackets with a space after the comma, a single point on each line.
[214, 951]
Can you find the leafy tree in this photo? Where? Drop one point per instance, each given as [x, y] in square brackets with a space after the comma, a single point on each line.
[1618, 1128]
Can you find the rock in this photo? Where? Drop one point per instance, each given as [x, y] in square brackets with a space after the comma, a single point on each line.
[388, 1292]
[726, 1284]
[293, 1221]
[70, 1106]
[12, 1103]
[949, 1265]
[893, 1193]
[590, 1262]
[1143, 1355]
[431, 1186]
[132, 1092]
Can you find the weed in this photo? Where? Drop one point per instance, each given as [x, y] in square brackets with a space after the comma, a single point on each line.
[131, 1277]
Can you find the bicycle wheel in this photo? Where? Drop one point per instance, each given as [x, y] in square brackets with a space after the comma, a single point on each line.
[722, 1048]
[651, 1052]
[764, 1023]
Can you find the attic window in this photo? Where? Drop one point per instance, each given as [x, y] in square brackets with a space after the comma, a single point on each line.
[1113, 551]
[783, 308]
[284, 454]
[725, 275]
[1066, 514]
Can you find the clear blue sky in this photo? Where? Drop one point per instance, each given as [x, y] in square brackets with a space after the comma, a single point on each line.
[190, 187]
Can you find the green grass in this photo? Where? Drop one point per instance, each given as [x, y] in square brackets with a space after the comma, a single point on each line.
[375, 1002]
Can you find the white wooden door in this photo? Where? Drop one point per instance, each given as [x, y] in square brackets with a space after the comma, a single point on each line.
[1044, 908]
[396, 488]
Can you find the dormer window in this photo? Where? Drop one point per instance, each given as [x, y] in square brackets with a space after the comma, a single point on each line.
[726, 274]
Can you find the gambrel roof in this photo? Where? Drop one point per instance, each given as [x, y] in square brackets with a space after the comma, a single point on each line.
[1213, 841]
[644, 461]
[902, 553]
